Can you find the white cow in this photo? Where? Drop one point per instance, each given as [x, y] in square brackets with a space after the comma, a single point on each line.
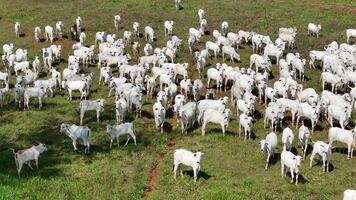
[37, 34]
[49, 33]
[314, 29]
[186, 114]
[246, 123]
[77, 132]
[268, 145]
[350, 33]
[324, 151]
[349, 194]
[28, 155]
[159, 113]
[149, 34]
[185, 157]
[287, 138]
[293, 162]
[217, 117]
[231, 52]
[33, 92]
[89, 105]
[115, 131]
[117, 21]
[304, 135]
[345, 136]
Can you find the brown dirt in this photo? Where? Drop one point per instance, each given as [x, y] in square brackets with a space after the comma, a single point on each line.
[154, 170]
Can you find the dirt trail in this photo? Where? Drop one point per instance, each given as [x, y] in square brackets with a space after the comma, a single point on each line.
[154, 171]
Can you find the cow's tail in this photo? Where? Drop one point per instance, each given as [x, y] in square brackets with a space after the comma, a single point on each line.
[80, 106]
[15, 157]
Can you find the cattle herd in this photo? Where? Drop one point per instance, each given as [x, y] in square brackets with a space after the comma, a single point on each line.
[158, 76]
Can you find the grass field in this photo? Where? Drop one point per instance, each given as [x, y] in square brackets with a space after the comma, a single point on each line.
[232, 167]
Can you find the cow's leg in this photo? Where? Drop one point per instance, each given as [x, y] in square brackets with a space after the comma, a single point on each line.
[74, 145]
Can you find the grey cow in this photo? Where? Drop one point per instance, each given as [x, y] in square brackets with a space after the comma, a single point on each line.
[27, 155]
[115, 131]
[77, 132]
[89, 105]
[32, 92]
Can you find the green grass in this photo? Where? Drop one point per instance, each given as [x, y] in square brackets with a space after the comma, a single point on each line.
[232, 167]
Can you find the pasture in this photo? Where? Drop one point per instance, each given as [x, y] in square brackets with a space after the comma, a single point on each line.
[231, 169]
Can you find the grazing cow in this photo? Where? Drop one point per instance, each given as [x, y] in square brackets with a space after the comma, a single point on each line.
[77, 132]
[115, 131]
[89, 105]
[185, 157]
[28, 155]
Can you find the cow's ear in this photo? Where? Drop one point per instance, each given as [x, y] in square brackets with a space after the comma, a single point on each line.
[195, 155]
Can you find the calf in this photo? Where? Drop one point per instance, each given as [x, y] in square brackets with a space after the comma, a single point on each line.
[115, 131]
[185, 157]
[77, 132]
[27, 155]
[89, 105]
[293, 162]
[268, 145]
